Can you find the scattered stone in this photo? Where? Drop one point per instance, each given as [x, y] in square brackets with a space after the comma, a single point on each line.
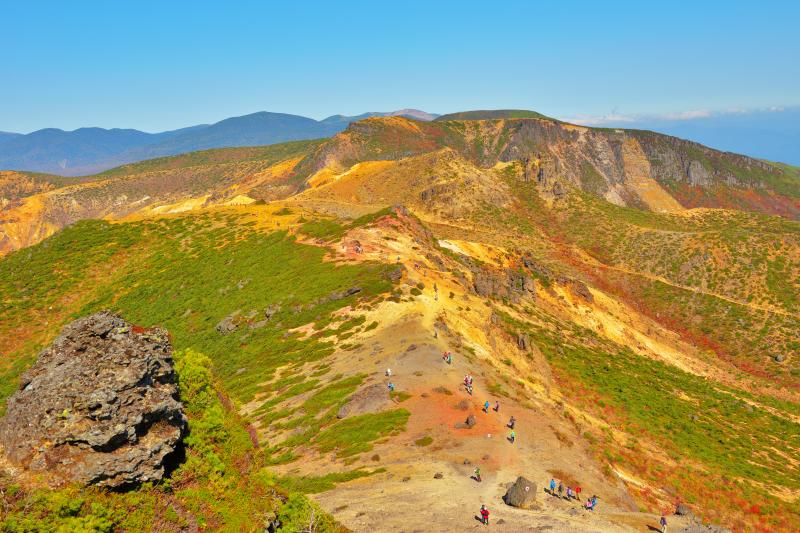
[779, 358]
[270, 311]
[340, 295]
[438, 475]
[463, 405]
[500, 522]
[370, 399]
[396, 274]
[411, 347]
[406, 478]
[228, 324]
[522, 494]
[467, 424]
[99, 406]
[683, 510]
[523, 341]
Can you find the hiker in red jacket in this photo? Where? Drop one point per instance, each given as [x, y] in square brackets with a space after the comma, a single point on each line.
[484, 515]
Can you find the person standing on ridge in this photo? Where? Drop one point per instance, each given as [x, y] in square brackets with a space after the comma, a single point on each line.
[512, 436]
[512, 422]
[484, 515]
[486, 406]
[560, 490]
[477, 474]
[552, 486]
[496, 406]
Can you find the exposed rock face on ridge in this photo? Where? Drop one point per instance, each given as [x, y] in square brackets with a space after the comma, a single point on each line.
[99, 406]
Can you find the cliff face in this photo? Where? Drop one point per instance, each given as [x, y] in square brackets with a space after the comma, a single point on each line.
[627, 167]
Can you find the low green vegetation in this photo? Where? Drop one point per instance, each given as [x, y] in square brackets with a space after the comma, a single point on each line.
[704, 421]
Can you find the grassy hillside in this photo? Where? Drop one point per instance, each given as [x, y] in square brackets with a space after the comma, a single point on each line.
[491, 115]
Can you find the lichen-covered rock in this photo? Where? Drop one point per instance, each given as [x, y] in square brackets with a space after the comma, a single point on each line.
[99, 407]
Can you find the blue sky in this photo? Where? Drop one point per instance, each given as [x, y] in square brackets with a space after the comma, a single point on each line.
[168, 64]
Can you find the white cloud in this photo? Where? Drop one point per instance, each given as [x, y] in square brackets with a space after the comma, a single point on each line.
[616, 118]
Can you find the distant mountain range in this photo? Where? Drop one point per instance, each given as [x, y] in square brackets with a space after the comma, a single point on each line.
[91, 150]
[772, 134]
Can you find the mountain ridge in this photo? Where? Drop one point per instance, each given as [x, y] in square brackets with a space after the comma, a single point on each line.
[90, 150]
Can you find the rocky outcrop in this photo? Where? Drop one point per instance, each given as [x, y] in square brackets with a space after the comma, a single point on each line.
[99, 406]
[370, 399]
[521, 494]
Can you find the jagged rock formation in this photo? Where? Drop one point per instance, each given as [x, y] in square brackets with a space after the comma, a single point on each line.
[99, 406]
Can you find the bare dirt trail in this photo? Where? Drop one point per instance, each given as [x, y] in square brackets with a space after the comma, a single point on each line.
[407, 496]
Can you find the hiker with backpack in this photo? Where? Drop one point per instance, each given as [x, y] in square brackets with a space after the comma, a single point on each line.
[484, 515]
[486, 406]
[477, 474]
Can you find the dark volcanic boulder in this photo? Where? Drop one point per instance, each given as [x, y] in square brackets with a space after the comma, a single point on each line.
[99, 406]
[522, 494]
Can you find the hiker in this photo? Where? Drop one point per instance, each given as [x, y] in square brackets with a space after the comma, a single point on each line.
[449, 358]
[569, 493]
[496, 406]
[560, 489]
[512, 436]
[486, 406]
[388, 372]
[589, 505]
[391, 386]
[663, 523]
[484, 515]
[578, 493]
[553, 487]
[469, 389]
[511, 422]
[477, 474]
[594, 501]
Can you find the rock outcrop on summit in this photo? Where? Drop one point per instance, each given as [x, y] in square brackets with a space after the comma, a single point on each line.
[99, 407]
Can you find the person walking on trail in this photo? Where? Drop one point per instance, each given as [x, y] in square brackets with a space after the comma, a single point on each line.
[496, 406]
[560, 490]
[663, 523]
[594, 501]
[569, 493]
[589, 505]
[388, 372]
[578, 493]
[553, 487]
[391, 386]
[486, 406]
[512, 436]
[511, 422]
[477, 474]
[484, 515]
